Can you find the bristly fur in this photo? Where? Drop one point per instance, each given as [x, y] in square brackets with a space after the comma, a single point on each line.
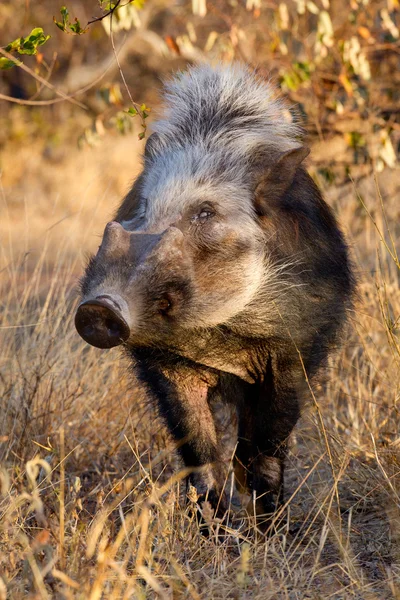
[225, 107]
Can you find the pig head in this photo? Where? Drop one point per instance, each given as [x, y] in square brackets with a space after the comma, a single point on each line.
[190, 254]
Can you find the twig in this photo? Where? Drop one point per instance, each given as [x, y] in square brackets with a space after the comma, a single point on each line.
[107, 14]
[120, 68]
[49, 72]
[137, 107]
[393, 46]
[31, 102]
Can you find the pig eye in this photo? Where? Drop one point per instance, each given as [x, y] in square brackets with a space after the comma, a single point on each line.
[164, 305]
[203, 215]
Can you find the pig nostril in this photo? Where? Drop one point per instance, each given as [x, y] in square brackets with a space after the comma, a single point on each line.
[113, 328]
[89, 330]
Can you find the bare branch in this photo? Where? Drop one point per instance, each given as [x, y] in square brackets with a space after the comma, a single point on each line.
[31, 102]
[43, 81]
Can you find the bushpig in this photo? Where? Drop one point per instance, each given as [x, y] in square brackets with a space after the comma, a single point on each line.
[224, 274]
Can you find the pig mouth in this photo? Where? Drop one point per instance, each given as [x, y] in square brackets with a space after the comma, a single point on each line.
[99, 322]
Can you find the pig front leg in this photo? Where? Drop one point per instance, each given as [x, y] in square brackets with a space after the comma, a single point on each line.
[267, 415]
[182, 398]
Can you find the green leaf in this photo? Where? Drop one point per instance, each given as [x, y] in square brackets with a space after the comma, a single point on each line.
[14, 45]
[132, 111]
[145, 111]
[66, 24]
[6, 63]
[30, 44]
[59, 25]
[37, 35]
[76, 27]
[64, 14]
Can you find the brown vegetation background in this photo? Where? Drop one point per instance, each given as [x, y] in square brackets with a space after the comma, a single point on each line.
[92, 499]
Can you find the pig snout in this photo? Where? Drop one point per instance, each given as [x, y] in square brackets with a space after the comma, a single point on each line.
[100, 322]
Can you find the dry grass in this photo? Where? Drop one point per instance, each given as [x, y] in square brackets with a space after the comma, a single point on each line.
[90, 505]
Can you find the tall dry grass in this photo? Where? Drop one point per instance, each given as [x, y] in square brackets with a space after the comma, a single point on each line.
[92, 494]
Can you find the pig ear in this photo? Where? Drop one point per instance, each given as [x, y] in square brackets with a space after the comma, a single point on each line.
[273, 182]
